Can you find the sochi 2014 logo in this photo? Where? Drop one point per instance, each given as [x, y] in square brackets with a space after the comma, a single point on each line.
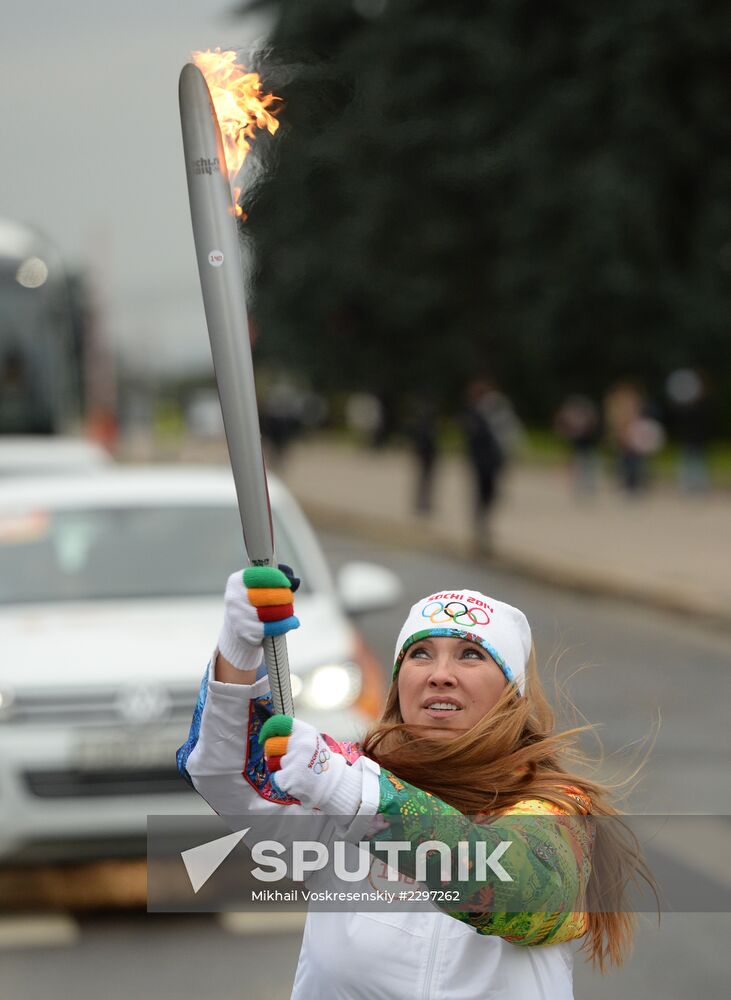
[320, 759]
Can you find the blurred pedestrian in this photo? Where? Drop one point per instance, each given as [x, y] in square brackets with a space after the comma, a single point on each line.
[633, 433]
[492, 433]
[691, 420]
[422, 432]
[363, 414]
[578, 423]
[388, 422]
[280, 418]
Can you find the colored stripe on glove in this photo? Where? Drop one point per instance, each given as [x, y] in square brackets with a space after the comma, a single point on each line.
[274, 736]
[269, 591]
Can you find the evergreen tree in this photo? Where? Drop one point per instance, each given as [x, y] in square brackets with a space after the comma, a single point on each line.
[540, 190]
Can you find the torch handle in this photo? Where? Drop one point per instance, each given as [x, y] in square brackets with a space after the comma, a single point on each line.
[277, 661]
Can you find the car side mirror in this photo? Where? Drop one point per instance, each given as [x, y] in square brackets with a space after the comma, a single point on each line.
[364, 586]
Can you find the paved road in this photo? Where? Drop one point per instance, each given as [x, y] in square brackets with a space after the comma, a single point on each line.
[637, 664]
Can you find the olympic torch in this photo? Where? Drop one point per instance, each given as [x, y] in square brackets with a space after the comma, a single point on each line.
[213, 211]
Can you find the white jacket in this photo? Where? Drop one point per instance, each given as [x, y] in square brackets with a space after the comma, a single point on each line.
[366, 956]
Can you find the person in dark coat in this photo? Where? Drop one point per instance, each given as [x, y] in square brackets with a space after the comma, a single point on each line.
[692, 422]
[422, 431]
[490, 427]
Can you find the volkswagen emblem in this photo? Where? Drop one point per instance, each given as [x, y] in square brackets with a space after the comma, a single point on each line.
[143, 703]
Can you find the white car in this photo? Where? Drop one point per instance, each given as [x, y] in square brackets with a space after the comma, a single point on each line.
[29, 455]
[110, 606]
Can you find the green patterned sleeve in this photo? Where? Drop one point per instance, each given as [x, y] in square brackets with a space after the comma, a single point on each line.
[547, 862]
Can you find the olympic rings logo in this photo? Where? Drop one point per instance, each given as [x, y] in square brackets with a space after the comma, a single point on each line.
[322, 762]
[456, 612]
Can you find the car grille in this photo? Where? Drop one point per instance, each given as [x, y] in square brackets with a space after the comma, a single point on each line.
[75, 783]
[94, 708]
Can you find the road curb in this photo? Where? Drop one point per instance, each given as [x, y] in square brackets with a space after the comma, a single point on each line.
[410, 535]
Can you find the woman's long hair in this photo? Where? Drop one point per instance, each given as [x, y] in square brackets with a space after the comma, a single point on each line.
[515, 753]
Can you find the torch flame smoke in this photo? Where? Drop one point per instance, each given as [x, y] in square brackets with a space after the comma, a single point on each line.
[240, 107]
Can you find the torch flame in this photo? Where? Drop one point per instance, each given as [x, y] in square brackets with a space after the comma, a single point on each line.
[240, 107]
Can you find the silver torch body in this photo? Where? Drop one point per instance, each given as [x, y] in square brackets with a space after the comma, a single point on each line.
[219, 264]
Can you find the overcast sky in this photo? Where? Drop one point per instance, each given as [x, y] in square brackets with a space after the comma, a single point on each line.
[92, 154]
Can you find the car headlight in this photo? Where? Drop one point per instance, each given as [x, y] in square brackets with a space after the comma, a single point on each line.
[332, 686]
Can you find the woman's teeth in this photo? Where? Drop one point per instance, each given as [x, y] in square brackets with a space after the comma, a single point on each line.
[444, 706]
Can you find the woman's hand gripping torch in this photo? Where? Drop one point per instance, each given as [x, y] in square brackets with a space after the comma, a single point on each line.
[215, 233]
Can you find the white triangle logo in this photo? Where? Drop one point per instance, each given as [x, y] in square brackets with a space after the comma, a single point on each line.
[202, 861]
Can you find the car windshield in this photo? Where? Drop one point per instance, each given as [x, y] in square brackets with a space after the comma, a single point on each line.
[123, 552]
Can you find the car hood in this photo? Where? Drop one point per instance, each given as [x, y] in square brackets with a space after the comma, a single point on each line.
[168, 641]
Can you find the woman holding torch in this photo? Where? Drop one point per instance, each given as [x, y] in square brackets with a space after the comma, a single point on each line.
[466, 735]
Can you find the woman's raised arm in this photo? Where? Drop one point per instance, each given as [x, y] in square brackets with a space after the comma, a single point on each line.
[221, 757]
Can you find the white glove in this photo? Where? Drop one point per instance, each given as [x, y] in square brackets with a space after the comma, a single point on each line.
[258, 602]
[303, 764]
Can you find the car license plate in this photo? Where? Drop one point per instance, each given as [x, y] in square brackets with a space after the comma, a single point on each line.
[133, 748]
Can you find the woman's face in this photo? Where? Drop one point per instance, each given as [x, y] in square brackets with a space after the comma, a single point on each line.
[448, 684]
